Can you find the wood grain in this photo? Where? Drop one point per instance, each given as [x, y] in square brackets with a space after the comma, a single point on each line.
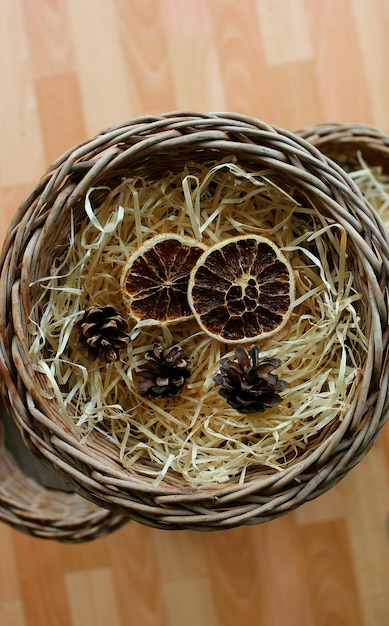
[66, 115]
[138, 574]
[69, 68]
[284, 30]
[92, 597]
[145, 52]
[332, 585]
[348, 82]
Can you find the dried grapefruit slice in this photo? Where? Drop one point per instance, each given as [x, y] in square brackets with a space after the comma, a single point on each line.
[241, 289]
[155, 278]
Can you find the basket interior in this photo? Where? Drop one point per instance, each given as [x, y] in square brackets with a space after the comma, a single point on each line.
[41, 234]
[54, 238]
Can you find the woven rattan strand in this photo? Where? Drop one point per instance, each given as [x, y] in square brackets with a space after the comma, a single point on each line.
[345, 142]
[148, 146]
[37, 504]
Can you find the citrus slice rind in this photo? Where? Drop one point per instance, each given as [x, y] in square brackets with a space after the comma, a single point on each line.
[241, 289]
[155, 278]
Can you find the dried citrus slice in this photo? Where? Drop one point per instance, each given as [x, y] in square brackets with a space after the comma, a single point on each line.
[241, 289]
[155, 278]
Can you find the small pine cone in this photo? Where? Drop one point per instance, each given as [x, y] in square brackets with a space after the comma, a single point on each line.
[102, 333]
[247, 382]
[164, 374]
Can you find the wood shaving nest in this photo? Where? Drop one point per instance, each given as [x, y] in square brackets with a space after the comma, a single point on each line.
[197, 434]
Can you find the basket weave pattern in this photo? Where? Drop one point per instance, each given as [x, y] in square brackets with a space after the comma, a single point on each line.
[29, 506]
[149, 146]
[344, 142]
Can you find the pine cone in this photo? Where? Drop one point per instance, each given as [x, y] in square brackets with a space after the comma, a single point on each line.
[164, 374]
[102, 333]
[247, 382]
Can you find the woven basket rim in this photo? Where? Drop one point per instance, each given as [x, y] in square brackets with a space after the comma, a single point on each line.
[45, 512]
[347, 136]
[145, 142]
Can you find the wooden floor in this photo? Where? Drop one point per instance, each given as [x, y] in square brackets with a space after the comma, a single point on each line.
[69, 68]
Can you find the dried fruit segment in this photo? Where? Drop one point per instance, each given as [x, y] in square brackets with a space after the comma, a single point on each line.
[242, 289]
[155, 278]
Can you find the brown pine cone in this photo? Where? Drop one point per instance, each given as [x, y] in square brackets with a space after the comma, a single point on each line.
[164, 374]
[103, 333]
[247, 382]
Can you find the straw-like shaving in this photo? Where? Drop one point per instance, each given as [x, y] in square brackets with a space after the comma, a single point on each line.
[374, 186]
[197, 434]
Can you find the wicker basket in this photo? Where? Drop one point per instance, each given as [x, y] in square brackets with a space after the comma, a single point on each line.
[344, 142]
[37, 502]
[149, 146]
